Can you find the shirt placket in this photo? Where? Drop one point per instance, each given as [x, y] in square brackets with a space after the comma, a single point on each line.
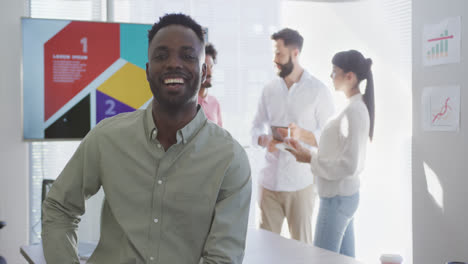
[162, 163]
[291, 113]
[290, 103]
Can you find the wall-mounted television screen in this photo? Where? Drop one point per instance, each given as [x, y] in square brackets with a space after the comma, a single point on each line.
[76, 73]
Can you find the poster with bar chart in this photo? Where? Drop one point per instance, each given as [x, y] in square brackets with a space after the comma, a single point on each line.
[441, 42]
[441, 108]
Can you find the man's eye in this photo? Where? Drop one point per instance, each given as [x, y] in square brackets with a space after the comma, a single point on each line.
[159, 57]
[189, 57]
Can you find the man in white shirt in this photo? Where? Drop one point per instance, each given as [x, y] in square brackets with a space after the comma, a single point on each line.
[295, 98]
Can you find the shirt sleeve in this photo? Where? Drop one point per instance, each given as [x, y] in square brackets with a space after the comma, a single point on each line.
[324, 110]
[260, 120]
[226, 240]
[65, 203]
[345, 161]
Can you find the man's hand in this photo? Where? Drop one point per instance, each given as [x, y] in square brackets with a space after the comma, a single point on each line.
[272, 145]
[264, 140]
[268, 142]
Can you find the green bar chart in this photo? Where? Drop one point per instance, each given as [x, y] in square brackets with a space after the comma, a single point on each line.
[439, 46]
[441, 42]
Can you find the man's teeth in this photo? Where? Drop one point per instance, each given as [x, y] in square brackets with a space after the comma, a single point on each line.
[174, 80]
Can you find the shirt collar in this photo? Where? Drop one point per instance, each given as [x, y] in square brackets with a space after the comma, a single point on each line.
[304, 76]
[183, 135]
[355, 97]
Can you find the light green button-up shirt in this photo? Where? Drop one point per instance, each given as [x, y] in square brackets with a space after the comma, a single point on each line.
[172, 207]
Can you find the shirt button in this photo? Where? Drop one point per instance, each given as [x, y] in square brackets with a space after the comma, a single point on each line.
[151, 258]
[159, 145]
[159, 182]
[155, 220]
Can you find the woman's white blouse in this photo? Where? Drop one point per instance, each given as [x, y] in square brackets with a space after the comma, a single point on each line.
[341, 153]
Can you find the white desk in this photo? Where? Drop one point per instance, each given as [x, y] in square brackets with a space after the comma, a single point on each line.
[262, 247]
[266, 247]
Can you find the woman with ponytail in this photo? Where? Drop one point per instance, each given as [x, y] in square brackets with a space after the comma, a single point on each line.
[341, 153]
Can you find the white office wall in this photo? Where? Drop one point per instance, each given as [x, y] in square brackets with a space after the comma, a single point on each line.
[14, 178]
[439, 222]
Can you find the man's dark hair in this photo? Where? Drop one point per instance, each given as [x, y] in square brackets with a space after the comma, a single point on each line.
[210, 50]
[290, 37]
[176, 19]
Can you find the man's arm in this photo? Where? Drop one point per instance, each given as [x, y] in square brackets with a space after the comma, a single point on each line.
[259, 137]
[226, 241]
[65, 203]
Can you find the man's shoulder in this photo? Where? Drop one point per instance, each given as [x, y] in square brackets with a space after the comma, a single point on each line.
[272, 86]
[274, 83]
[120, 121]
[311, 81]
[222, 138]
[212, 99]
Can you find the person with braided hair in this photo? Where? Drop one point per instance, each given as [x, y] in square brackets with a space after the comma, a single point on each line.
[339, 157]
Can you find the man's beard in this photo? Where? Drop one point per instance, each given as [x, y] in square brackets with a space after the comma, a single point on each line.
[173, 103]
[286, 69]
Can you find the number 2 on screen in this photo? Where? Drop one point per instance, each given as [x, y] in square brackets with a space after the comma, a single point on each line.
[110, 110]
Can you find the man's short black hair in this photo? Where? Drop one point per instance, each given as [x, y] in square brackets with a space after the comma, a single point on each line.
[176, 19]
[210, 50]
[290, 37]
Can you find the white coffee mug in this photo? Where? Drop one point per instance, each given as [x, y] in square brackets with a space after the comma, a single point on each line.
[391, 259]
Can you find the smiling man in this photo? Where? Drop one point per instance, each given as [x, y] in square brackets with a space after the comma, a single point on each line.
[177, 188]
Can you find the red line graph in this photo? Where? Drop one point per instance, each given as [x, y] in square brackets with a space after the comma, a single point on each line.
[441, 38]
[443, 111]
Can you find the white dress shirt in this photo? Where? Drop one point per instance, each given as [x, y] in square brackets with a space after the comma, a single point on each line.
[341, 152]
[309, 104]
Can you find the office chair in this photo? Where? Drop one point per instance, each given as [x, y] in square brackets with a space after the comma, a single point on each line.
[2, 259]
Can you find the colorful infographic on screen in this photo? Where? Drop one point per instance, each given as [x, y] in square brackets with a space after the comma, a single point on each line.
[76, 73]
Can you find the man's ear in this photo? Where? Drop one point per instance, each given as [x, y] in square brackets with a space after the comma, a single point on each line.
[203, 73]
[296, 52]
[147, 71]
